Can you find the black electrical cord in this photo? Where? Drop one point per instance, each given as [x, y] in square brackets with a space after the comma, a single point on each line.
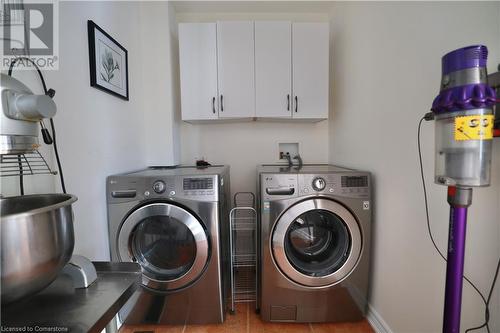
[487, 311]
[430, 116]
[21, 180]
[50, 93]
[61, 176]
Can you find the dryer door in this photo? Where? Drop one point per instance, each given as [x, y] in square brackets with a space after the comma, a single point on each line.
[168, 242]
[316, 243]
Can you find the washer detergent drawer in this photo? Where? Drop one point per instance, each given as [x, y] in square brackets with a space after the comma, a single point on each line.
[277, 187]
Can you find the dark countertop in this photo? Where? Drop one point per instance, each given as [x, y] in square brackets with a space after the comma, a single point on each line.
[61, 308]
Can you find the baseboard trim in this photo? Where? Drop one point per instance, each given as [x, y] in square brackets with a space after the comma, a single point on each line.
[378, 323]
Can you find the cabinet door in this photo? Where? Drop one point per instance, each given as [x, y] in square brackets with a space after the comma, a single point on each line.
[198, 70]
[310, 48]
[273, 69]
[235, 51]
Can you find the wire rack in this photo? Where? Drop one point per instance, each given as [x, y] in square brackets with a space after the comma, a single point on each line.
[243, 242]
[24, 165]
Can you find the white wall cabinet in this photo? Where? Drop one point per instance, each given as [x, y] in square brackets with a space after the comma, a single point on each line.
[273, 69]
[310, 49]
[246, 69]
[198, 67]
[235, 58]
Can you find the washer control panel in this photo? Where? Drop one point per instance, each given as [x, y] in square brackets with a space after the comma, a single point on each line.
[353, 185]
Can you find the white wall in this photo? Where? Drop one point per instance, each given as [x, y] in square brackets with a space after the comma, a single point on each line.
[101, 134]
[98, 134]
[160, 82]
[386, 70]
[244, 145]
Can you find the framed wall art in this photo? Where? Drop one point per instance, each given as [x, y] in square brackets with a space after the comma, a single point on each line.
[108, 62]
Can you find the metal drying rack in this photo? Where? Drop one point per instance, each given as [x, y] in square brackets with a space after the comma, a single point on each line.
[243, 244]
[24, 164]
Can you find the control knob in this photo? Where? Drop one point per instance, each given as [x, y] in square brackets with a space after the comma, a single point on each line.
[318, 184]
[159, 186]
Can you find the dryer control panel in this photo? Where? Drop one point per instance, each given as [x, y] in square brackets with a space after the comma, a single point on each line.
[196, 188]
[200, 188]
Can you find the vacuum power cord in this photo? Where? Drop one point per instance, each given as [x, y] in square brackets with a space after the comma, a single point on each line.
[487, 309]
[429, 116]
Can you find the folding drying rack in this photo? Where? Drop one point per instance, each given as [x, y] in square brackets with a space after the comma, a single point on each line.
[244, 244]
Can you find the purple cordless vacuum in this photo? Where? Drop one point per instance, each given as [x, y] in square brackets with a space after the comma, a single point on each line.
[464, 117]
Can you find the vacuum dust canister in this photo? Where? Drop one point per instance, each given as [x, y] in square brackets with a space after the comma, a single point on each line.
[464, 117]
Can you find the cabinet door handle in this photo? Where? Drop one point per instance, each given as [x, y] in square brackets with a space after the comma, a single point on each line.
[296, 104]
[222, 103]
[213, 105]
[288, 102]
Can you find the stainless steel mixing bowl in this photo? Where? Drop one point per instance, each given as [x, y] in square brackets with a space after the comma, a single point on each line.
[37, 241]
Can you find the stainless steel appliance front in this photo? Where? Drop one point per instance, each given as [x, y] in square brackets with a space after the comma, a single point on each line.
[315, 240]
[171, 222]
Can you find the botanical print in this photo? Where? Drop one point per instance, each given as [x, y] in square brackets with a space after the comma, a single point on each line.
[108, 62]
[109, 65]
[109, 70]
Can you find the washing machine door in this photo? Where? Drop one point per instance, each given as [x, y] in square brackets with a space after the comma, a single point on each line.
[316, 243]
[168, 242]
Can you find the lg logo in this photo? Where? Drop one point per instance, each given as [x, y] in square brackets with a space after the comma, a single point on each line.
[34, 34]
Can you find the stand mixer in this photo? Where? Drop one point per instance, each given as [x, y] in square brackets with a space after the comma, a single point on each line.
[37, 237]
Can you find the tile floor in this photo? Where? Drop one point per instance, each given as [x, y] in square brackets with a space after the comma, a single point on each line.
[247, 321]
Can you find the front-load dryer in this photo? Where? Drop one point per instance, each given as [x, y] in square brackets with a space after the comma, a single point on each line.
[315, 243]
[172, 222]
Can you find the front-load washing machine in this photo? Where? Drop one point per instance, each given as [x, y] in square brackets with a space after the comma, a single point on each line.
[315, 243]
[172, 221]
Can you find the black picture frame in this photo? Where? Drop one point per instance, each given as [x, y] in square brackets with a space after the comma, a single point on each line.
[99, 81]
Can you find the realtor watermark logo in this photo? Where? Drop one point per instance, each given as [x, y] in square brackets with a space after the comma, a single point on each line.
[30, 29]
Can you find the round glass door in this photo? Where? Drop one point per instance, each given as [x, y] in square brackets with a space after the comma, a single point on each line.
[164, 246]
[316, 243]
[168, 242]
